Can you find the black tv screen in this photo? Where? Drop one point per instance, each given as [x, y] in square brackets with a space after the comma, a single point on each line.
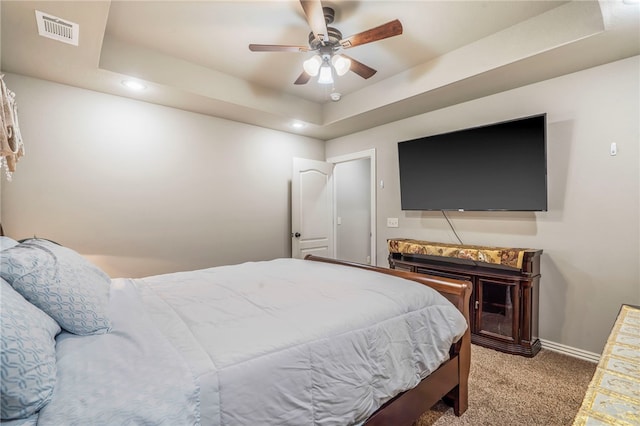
[499, 166]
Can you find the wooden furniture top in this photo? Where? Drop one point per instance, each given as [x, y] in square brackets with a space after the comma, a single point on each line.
[513, 258]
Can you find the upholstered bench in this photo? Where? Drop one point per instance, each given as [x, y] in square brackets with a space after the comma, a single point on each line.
[613, 396]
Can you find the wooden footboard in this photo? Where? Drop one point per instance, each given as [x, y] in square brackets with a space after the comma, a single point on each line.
[450, 380]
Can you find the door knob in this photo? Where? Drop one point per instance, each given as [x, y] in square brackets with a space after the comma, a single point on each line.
[297, 235]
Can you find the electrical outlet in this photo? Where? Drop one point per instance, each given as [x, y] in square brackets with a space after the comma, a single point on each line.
[392, 222]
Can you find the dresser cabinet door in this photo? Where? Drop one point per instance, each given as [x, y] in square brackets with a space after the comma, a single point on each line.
[497, 305]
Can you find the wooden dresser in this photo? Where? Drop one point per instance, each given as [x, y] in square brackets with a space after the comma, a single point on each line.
[504, 302]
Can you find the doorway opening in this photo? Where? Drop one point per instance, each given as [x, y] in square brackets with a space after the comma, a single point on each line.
[354, 206]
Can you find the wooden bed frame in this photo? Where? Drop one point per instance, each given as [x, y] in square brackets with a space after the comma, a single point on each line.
[450, 380]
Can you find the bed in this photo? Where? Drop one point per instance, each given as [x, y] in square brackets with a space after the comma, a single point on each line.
[286, 341]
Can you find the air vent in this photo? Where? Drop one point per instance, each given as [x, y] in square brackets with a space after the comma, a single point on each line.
[57, 28]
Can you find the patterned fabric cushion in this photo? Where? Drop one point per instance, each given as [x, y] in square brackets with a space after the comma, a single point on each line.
[27, 355]
[62, 283]
[6, 242]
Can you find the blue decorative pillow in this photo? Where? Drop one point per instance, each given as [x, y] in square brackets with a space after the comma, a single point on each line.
[62, 283]
[6, 242]
[27, 355]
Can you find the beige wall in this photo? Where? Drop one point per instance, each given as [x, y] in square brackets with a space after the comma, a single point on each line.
[590, 235]
[143, 189]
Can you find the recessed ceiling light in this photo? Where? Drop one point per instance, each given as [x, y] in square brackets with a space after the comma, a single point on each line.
[298, 125]
[133, 85]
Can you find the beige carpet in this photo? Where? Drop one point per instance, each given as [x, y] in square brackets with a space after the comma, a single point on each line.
[513, 390]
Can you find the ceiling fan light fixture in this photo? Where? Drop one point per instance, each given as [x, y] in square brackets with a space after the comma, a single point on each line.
[312, 65]
[326, 76]
[326, 41]
[341, 64]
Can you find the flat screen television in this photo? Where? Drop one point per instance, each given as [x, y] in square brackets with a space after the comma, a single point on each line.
[500, 166]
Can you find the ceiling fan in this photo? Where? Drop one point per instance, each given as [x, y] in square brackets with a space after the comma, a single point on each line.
[327, 42]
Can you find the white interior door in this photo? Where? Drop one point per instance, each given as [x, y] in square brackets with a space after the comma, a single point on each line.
[311, 208]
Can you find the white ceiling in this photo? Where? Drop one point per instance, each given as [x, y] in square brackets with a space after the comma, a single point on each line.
[194, 54]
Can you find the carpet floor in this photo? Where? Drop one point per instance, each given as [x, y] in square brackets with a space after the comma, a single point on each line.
[513, 390]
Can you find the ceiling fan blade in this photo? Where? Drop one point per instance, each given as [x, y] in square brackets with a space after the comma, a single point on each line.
[383, 31]
[303, 78]
[359, 68]
[276, 48]
[315, 18]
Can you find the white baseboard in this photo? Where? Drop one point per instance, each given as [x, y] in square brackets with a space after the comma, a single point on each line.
[570, 351]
